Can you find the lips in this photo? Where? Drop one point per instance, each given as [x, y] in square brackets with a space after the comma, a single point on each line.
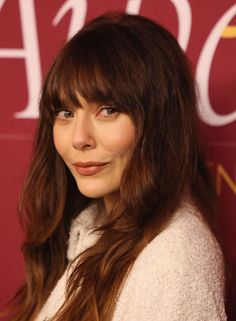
[89, 168]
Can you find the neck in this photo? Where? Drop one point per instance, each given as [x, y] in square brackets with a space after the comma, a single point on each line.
[106, 204]
[109, 201]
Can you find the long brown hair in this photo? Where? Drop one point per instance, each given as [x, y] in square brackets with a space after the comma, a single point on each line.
[138, 66]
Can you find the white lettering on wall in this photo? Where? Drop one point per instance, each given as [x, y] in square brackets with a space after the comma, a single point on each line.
[184, 14]
[183, 10]
[79, 12]
[133, 6]
[1, 3]
[30, 53]
[207, 114]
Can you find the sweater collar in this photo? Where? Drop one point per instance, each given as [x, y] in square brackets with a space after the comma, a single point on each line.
[82, 234]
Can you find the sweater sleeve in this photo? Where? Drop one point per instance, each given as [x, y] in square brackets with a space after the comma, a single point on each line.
[178, 277]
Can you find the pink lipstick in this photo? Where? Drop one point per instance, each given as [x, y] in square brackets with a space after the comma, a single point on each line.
[89, 168]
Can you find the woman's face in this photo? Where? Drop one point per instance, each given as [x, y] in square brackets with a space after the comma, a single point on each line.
[96, 142]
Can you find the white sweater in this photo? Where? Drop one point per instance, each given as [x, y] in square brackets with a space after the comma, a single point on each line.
[179, 276]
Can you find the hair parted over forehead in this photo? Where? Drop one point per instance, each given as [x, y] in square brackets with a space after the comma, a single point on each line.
[135, 64]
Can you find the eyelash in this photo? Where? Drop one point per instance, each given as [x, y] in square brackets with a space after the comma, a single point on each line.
[66, 113]
[111, 111]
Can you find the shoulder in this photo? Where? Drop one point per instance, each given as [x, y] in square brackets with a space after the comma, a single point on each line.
[186, 249]
[187, 240]
[179, 275]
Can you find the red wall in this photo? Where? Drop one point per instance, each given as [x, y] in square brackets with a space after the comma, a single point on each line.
[31, 32]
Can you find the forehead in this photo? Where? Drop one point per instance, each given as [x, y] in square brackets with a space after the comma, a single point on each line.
[77, 86]
[81, 102]
[86, 104]
[97, 72]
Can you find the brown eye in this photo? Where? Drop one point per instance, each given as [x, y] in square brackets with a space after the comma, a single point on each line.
[64, 114]
[107, 111]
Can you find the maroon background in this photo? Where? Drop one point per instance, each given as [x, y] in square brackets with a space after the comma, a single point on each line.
[16, 135]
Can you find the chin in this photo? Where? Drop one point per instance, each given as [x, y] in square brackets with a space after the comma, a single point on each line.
[93, 191]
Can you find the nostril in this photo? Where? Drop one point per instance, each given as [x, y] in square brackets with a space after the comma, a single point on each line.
[83, 146]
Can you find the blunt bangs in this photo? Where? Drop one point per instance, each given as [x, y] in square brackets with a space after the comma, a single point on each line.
[99, 69]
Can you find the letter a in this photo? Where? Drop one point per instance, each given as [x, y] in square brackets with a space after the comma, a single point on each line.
[29, 52]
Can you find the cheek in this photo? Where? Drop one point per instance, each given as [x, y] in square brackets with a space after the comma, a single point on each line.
[60, 142]
[120, 141]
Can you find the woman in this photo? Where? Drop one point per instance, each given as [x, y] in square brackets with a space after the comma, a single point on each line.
[118, 206]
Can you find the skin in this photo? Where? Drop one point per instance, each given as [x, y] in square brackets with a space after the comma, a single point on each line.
[95, 133]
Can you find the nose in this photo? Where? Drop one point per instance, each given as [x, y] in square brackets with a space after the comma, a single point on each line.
[83, 137]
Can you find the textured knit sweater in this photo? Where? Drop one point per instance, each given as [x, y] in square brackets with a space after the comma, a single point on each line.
[179, 276]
